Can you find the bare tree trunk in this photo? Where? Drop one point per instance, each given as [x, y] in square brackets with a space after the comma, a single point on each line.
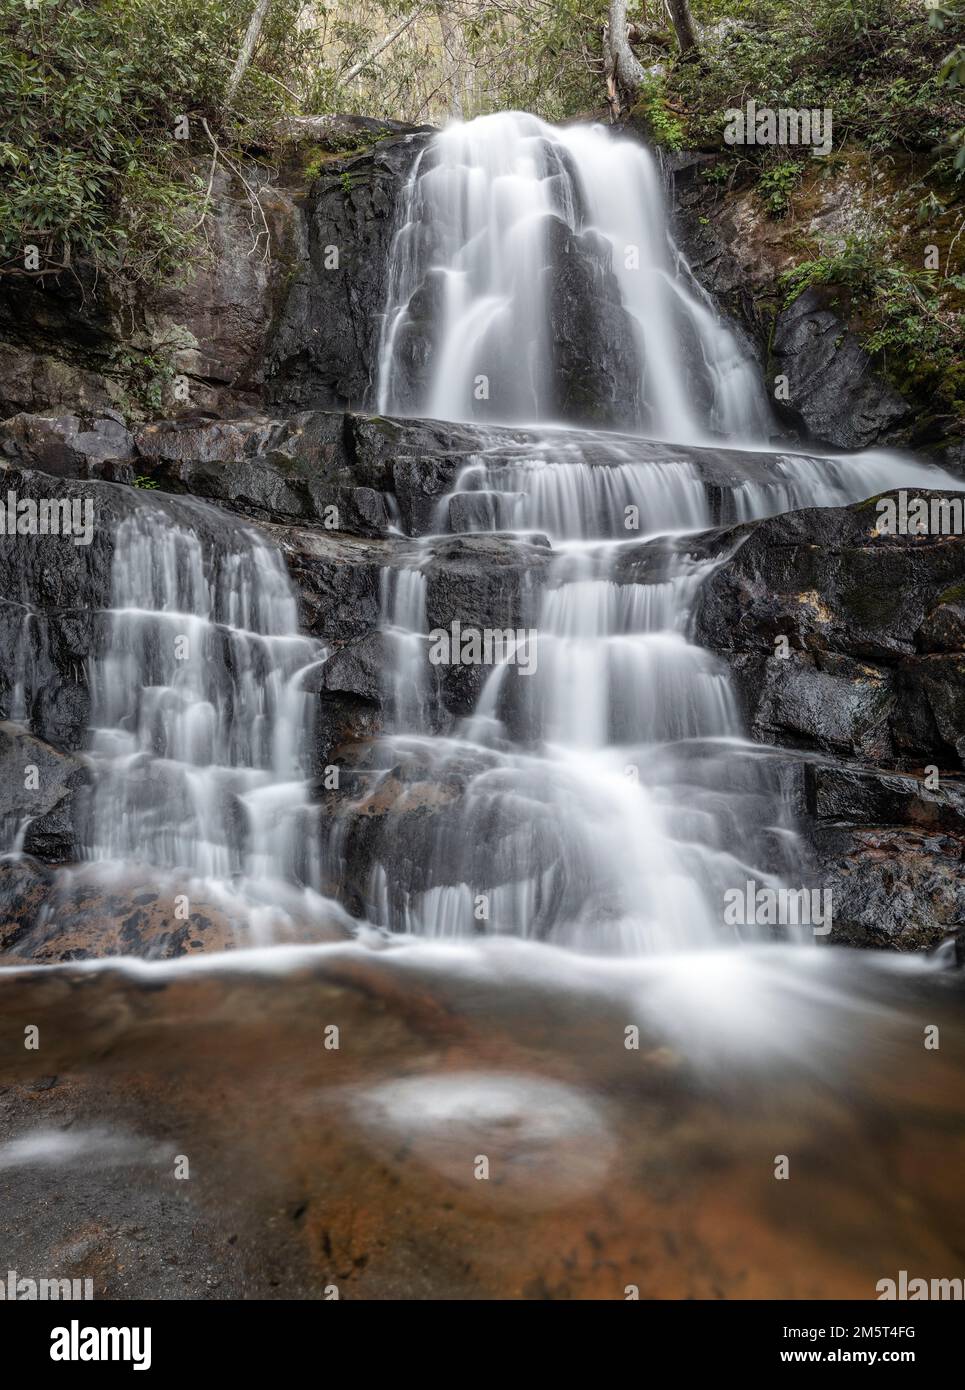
[624, 72]
[683, 26]
[454, 60]
[380, 47]
[246, 50]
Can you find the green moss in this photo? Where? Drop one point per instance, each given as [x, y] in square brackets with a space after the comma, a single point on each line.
[652, 110]
[906, 318]
[776, 184]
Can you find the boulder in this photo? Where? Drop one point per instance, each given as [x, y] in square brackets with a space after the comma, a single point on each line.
[37, 790]
[324, 349]
[298, 469]
[862, 614]
[892, 889]
[834, 393]
[68, 446]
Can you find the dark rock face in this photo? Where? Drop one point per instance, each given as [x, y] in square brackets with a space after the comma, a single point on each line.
[861, 613]
[325, 347]
[835, 395]
[892, 889]
[51, 592]
[299, 469]
[875, 679]
[82, 345]
[833, 391]
[595, 373]
[37, 786]
[217, 326]
[712, 245]
[24, 887]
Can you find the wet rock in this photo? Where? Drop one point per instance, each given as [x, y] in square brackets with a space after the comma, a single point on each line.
[862, 614]
[52, 594]
[337, 580]
[361, 668]
[829, 702]
[24, 887]
[833, 391]
[422, 461]
[891, 889]
[342, 725]
[37, 789]
[932, 693]
[325, 346]
[484, 581]
[595, 371]
[296, 469]
[81, 918]
[67, 446]
[943, 629]
[858, 795]
[866, 678]
[92, 912]
[387, 815]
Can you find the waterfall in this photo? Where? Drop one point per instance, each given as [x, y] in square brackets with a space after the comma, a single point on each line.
[476, 259]
[200, 726]
[610, 798]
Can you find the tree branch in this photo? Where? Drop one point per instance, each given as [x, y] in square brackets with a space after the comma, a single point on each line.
[246, 50]
[380, 47]
[624, 71]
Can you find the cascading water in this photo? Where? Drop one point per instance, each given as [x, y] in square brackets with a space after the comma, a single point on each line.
[467, 323]
[200, 725]
[600, 795]
[610, 798]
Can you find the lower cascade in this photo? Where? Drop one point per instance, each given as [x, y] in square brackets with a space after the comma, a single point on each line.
[200, 723]
[610, 799]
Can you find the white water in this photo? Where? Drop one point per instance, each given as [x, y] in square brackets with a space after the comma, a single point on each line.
[474, 248]
[611, 799]
[606, 801]
[200, 726]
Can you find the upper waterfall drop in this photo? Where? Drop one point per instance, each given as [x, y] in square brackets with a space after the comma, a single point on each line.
[497, 217]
